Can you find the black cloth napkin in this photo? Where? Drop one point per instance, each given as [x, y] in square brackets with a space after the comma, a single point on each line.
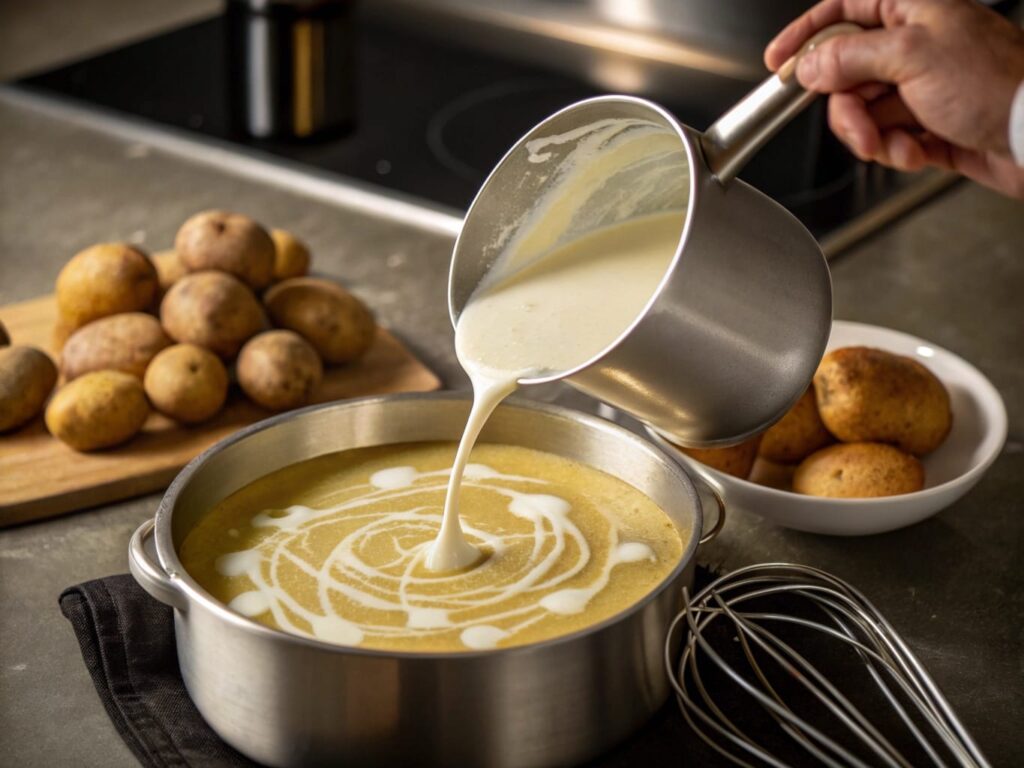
[127, 643]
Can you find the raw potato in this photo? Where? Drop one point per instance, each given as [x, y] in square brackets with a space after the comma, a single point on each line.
[187, 383]
[104, 280]
[291, 256]
[98, 410]
[213, 310]
[736, 460]
[336, 323]
[772, 475]
[169, 268]
[5, 339]
[857, 471]
[27, 377]
[279, 370]
[798, 434]
[870, 395]
[125, 342]
[230, 242]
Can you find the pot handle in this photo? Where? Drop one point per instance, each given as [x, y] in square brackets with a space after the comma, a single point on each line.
[150, 575]
[744, 129]
[716, 491]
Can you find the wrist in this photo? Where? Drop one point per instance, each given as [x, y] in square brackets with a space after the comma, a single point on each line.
[1015, 128]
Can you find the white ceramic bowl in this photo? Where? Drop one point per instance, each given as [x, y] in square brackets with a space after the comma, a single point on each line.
[977, 436]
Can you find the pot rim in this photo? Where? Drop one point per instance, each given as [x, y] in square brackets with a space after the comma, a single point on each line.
[695, 163]
[193, 592]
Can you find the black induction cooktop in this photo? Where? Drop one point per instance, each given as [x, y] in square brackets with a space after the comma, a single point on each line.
[418, 114]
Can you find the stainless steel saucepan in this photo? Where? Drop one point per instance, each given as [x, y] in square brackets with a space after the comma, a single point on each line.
[734, 332]
[287, 701]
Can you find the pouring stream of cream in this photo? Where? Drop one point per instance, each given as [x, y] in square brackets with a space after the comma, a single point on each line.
[451, 551]
[547, 318]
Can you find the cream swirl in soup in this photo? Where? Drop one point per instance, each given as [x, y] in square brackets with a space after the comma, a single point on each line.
[334, 548]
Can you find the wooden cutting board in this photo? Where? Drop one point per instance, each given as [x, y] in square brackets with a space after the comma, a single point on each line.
[41, 477]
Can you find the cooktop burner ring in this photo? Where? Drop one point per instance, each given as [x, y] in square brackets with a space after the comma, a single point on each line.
[484, 108]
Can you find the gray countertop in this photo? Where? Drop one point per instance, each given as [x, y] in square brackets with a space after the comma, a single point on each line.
[952, 272]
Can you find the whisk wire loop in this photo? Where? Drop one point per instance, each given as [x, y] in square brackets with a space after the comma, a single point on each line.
[843, 734]
[807, 674]
[767, 702]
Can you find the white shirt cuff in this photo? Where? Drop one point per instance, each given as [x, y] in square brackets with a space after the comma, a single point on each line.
[1017, 126]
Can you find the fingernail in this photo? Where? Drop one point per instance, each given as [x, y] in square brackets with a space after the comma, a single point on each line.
[807, 68]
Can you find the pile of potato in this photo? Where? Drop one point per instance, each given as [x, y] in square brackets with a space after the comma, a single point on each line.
[164, 332]
[857, 432]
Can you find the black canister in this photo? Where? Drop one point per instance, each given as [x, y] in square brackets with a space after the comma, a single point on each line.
[292, 67]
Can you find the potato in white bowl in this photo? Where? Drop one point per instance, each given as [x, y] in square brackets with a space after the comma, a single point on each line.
[974, 442]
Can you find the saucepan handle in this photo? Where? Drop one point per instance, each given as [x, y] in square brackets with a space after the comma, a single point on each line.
[150, 574]
[744, 129]
[707, 534]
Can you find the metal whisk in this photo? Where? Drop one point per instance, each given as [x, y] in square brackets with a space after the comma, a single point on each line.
[745, 667]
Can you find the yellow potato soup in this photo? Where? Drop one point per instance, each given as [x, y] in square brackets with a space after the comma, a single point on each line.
[334, 547]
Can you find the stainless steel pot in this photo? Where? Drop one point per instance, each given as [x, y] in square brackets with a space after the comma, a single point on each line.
[285, 700]
[732, 336]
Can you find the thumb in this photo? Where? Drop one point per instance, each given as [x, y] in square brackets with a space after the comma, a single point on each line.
[878, 55]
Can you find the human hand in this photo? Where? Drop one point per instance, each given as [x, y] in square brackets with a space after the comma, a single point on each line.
[930, 83]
